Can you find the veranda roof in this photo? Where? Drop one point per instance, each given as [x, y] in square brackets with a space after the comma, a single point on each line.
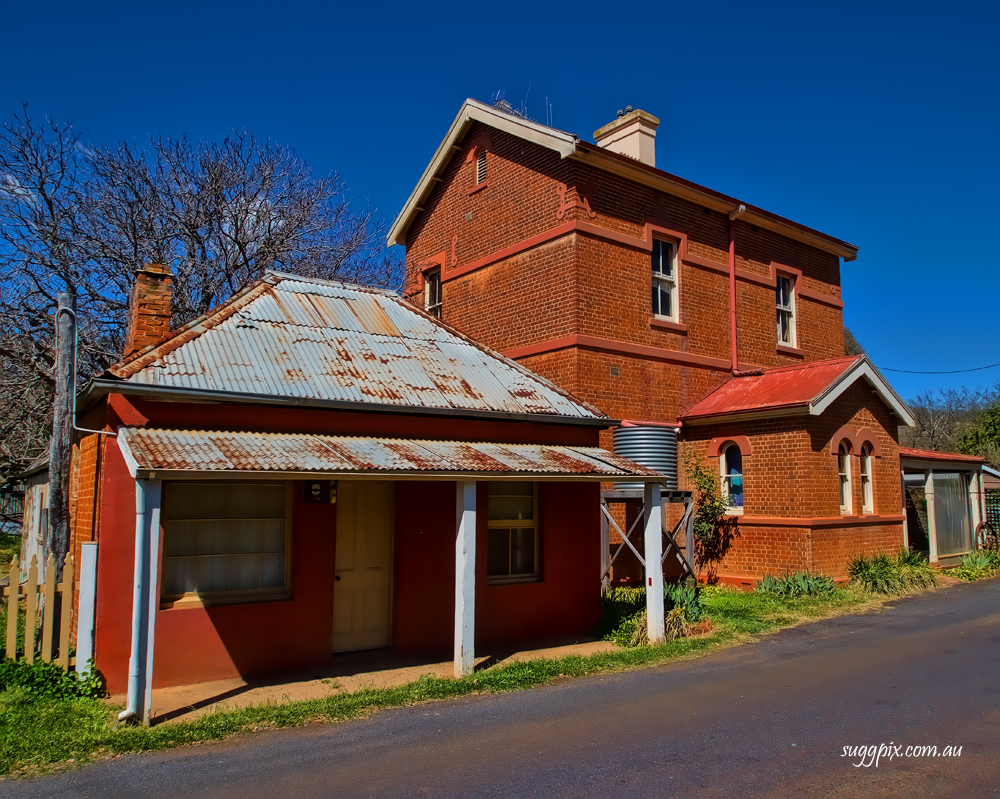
[188, 454]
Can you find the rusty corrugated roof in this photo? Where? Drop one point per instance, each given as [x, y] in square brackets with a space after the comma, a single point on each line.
[201, 451]
[306, 339]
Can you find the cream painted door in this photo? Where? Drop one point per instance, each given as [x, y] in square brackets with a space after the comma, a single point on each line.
[363, 582]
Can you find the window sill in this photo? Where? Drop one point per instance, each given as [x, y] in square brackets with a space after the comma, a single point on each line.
[189, 601]
[501, 581]
[662, 323]
[786, 349]
[478, 187]
[734, 511]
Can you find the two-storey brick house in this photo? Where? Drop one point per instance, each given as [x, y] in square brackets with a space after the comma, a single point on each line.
[663, 302]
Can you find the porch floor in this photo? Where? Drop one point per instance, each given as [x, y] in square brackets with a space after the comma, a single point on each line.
[346, 672]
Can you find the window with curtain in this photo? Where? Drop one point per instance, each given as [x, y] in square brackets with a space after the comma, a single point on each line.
[867, 498]
[513, 533]
[664, 279]
[785, 300]
[432, 292]
[225, 541]
[732, 477]
[844, 475]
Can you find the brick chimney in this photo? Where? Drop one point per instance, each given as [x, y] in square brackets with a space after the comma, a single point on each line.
[632, 134]
[149, 308]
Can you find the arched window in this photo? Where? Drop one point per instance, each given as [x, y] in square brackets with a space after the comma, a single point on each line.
[844, 471]
[731, 463]
[867, 498]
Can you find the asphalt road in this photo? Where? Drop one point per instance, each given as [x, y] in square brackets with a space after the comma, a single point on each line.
[767, 719]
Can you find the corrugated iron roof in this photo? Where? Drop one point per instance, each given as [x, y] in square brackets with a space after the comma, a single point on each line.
[934, 455]
[782, 387]
[306, 339]
[165, 451]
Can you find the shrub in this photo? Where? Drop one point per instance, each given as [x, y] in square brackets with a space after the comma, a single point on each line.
[977, 565]
[623, 618]
[800, 583]
[50, 680]
[687, 597]
[884, 574]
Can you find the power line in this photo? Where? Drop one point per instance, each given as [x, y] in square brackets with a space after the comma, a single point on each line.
[952, 372]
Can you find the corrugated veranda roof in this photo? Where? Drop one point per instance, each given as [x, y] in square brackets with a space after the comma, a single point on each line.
[172, 453]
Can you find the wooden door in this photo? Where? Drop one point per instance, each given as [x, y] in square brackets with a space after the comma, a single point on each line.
[363, 581]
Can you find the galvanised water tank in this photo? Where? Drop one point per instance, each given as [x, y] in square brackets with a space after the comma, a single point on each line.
[653, 446]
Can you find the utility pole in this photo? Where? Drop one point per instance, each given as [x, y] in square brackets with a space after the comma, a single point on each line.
[60, 453]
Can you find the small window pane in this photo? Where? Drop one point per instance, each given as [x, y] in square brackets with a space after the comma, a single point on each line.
[213, 573]
[244, 572]
[214, 537]
[272, 501]
[498, 554]
[273, 535]
[272, 573]
[523, 554]
[246, 537]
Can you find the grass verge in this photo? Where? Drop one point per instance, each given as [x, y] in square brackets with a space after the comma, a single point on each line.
[40, 735]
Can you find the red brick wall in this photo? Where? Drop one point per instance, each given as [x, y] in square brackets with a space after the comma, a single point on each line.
[586, 284]
[791, 474]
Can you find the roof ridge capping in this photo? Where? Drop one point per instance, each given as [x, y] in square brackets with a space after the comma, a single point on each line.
[325, 281]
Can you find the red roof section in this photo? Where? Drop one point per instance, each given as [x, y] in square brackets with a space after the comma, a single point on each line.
[781, 387]
[933, 455]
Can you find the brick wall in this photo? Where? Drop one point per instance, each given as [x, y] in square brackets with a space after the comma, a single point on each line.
[515, 277]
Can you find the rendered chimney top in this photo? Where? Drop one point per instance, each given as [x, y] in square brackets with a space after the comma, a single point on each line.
[633, 134]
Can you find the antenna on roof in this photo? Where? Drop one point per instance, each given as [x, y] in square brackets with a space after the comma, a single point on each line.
[501, 104]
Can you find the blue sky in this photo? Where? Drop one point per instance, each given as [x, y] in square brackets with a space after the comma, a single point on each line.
[874, 122]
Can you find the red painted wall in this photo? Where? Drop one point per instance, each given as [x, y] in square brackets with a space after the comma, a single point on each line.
[214, 643]
[564, 602]
[202, 644]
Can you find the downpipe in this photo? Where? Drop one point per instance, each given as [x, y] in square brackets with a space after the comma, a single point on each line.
[139, 580]
[735, 214]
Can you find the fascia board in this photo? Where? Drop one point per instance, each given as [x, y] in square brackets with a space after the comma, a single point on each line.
[474, 111]
[151, 473]
[126, 450]
[747, 416]
[864, 368]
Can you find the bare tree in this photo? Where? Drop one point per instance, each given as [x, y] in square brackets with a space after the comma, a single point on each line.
[84, 218]
[943, 416]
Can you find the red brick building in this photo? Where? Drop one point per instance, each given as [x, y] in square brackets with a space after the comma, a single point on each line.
[298, 473]
[645, 294]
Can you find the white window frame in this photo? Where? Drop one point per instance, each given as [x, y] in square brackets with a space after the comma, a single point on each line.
[844, 479]
[867, 492]
[785, 310]
[662, 281]
[229, 596]
[513, 524]
[726, 480]
[433, 304]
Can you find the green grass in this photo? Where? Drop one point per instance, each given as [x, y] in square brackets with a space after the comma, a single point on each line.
[39, 735]
[10, 545]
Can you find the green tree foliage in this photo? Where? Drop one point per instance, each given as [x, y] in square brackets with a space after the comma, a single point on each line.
[851, 344]
[983, 438]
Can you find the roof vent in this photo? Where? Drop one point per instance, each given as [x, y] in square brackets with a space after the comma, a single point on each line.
[633, 134]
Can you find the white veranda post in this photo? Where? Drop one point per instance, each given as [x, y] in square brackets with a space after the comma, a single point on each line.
[652, 513]
[465, 579]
